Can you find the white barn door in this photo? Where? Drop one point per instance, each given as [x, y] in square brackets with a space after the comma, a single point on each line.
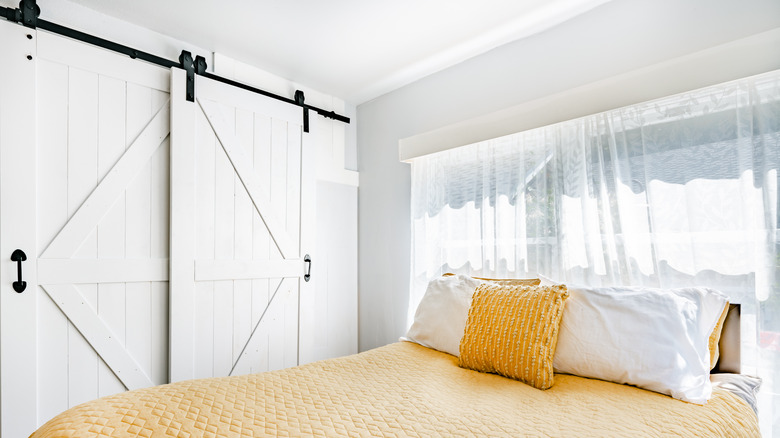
[242, 204]
[84, 171]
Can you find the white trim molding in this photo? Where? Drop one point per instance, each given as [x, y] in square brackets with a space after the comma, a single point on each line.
[734, 60]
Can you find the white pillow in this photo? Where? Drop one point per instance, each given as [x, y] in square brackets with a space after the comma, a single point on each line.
[744, 386]
[652, 338]
[545, 281]
[440, 319]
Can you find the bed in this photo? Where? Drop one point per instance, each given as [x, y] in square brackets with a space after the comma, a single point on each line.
[404, 389]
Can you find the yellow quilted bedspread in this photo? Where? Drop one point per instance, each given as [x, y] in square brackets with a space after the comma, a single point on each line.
[398, 390]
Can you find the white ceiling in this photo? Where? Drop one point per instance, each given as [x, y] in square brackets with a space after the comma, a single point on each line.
[353, 49]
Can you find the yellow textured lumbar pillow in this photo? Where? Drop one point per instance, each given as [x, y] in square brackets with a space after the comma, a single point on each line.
[715, 337]
[512, 330]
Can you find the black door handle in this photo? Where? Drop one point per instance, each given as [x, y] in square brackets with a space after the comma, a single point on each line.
[307, 259]
[19, 256]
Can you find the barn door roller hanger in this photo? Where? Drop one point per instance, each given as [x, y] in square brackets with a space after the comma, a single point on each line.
[28, 14]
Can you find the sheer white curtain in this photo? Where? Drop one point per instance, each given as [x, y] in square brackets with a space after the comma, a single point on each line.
[674, 192]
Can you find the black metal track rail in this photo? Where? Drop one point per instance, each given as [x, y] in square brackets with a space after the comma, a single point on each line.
[29, 18]
[322, 112]
[106, 44]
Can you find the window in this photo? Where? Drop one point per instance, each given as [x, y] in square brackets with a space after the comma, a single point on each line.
[674, 192]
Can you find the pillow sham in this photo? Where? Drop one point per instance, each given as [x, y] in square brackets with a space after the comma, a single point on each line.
[513, 331]
[545, 281]
[652, 338]
[714, 339]
[441, 315]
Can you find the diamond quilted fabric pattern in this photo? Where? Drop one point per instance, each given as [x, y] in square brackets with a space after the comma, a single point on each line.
[401, 389]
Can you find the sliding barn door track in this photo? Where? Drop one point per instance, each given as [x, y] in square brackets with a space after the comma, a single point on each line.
[28, 12]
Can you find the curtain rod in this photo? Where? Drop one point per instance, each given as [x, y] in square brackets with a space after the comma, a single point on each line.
[28, 12]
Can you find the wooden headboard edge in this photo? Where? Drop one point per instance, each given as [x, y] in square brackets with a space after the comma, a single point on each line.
[730, 343]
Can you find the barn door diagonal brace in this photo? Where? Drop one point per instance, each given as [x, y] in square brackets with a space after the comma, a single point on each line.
[251, 335]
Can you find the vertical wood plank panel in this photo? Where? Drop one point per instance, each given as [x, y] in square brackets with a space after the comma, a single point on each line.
[52, 357]
[278, 188]
[160, 170]
[138, 233]
[224, 243]
[244, 213]
[82, 150]
[278, 172]
[111, 230]
[160, 238]
[276, 324]
[82, 364]
[224, 214]
[159, 315]
[294, 185]
[290, 325]
[82, 179]
[204, 245]
[52, 174]
[204, 331]
[52, 170]
[260, 353]
[261, 244]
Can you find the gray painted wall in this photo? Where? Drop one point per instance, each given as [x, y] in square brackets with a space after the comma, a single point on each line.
[612, 40]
